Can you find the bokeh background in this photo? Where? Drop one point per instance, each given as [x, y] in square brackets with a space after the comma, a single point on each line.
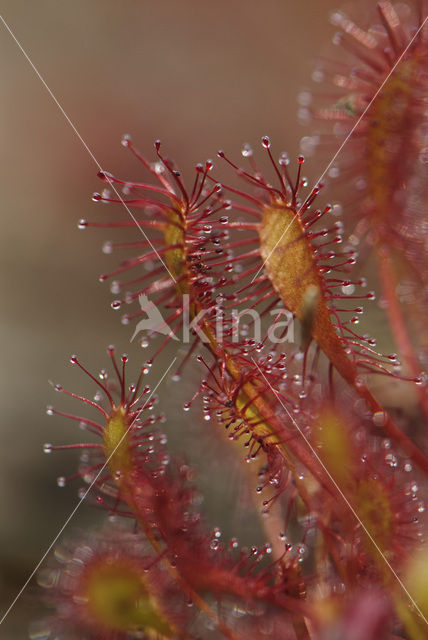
[198, 75]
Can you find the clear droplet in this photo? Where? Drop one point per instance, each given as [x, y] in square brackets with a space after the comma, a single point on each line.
[348, 289]
[391, 460]
[126, 140]
[48, 578]
[39, 630]
[247, 151]
[379, 418]
[304, 98]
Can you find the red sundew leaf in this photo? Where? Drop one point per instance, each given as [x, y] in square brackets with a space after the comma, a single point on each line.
[377, 108]
[291, 261]
[138, 473]
[110, 584]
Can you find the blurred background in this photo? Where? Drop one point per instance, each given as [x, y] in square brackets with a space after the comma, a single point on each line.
[198, 75]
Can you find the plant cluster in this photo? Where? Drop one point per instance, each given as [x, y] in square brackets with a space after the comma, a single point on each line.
[332, 472]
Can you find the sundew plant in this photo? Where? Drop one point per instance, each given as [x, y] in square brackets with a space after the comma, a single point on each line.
[258, 278]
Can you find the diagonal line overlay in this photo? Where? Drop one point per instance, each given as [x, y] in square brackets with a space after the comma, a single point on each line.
[351, 508]
[85, 145]
[60, 532]
[344, 142]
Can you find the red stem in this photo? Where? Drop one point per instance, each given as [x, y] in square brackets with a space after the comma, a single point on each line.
[397, 322]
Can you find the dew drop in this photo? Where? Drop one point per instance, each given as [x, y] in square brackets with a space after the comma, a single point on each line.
[247, 151]
[359, 383]
[50, 410]
[304, 98]
[82, 224]
[318, 75]
[115, 287]
[284, 160]
[47, 447]
[301, 551]
[339, 587]
[391, 460]
[126, 140]
[108, 247]
[348, 289]
[379, 418]
[337, 39]
[116, 305]
[304, 115]
[423, 156]
[61, 481]
[158, 168]
[39, 630]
